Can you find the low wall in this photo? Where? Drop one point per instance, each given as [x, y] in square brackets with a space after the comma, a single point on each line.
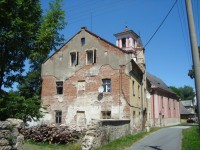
[164, 122]
[10, 139]
[104, 131]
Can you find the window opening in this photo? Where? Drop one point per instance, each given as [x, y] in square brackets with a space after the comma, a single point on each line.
[124, 42]
[168, 103]
[139, 91]
[82, 41]
[58, 116]
[106, 114]
[59, 87]
[133, 88]
[91, 56]
[106, 85]
[74, 58]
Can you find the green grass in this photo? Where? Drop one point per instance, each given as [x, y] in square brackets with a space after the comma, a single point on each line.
[126, 141]
[30, 145]
[191, 139]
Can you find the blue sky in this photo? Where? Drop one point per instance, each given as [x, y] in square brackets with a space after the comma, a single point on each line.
[168, 55]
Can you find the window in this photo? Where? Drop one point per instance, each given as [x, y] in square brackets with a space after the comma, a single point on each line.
[59, 87]
[106, 114]
[168, 103]
[139, 91]
[82, 41]
[133, 88]
[162, 102]
[58, 116]
[74, 58]
[91, 56]
[133, 113]
[106, 85]
[124, 42]
[174, 103]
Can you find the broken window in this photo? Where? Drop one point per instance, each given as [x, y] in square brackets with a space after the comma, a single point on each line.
[59, 87]
[106, 85]
[91, 56]
[82, 41]
[123, 42]
[74, 58]
[106, 114]
[58, 116]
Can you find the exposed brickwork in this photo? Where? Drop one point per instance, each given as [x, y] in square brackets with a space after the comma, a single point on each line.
[87, 104]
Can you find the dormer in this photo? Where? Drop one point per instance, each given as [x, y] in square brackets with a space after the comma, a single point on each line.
[128, 40]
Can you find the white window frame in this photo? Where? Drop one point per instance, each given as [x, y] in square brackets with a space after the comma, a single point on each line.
[76, 59]
[93, 61]
[106, 85]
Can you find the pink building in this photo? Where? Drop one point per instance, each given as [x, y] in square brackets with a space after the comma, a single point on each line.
[164, 108]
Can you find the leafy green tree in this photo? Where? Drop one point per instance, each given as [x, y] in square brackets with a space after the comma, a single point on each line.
[16, 106]
[20, 20]
[48, 38]
[187, 93]
[25, 103]
[175, 90]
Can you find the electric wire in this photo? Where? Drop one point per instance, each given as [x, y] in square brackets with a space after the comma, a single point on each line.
[100, 9]
[97, 12]
[183, 35]
[161, 24]
[186, 28]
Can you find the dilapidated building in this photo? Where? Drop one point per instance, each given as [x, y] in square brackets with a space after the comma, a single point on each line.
[90, 78]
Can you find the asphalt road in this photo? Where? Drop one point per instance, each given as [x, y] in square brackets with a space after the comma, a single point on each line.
[163, 139]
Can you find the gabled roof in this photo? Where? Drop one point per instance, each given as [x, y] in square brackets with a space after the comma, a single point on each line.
[158, 83]
[184, 111]
[187, 103]
[85, 29]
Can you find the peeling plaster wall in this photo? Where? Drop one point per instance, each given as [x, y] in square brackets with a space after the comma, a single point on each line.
[87, 104]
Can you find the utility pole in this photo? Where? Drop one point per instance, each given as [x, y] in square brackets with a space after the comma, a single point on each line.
[195, 53]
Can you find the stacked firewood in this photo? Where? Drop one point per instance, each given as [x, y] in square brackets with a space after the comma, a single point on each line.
[52, 134]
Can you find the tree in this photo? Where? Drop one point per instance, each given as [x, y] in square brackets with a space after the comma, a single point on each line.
[187, 93]
[175, 90]
[20, 20]
[48, 38]
[25, 103]
[16, 106]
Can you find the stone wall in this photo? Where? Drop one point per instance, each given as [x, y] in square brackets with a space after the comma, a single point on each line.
[104, 131]
[10, 139]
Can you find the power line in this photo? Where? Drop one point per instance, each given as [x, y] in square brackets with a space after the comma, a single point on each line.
[98, 11]
[161, 24]
[184, 36]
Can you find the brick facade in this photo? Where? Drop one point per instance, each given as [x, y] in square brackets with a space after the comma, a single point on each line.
[80, 100]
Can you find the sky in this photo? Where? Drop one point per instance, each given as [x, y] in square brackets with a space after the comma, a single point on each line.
[168, 54]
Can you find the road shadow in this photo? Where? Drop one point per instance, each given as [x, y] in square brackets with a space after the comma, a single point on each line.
[155, 147]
